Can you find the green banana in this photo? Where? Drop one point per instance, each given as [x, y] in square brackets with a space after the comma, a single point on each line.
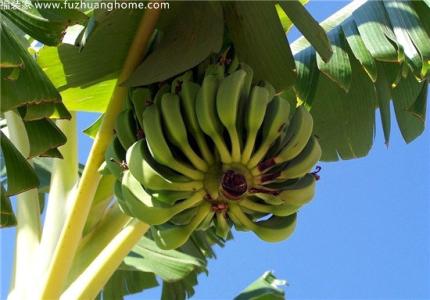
[275, 121]
[164, 89]
[207, 117]
[244, 103]
[126, 128]
[234, 64]
[188, 100]
[175, 127]
[184, 217]
[143, 206]
[140, 99]
[282, 210]
[179, 81]
[216, 70]
[259, 100]
[304, 162]
[170, 197]
[299, 192]
[274, 229]
[208, 221]
[115, 158]
[159, 147]
[153, 176]
[297, 136]
[120, 199]
[222, 228]
[227, 103]
[169, 236]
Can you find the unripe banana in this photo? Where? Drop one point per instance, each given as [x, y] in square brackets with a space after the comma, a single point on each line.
[164, 89]
[227, 103]
[180, 174]
[222, 226]
[179, 81]
[298, 193]
[143, 206]
[140, 98]
[207, 117]
[254, 118]
[274, 229]
[159, 147]
[120, 199]
[297, 136]
[184, 217]
[216, 70]
[169, 236]
[282, 210]
[170, 197]
[126, 128]
[152, 175]
[304, 162]
[115, 158]
[188, 100]
[275, 121]
[175, 127]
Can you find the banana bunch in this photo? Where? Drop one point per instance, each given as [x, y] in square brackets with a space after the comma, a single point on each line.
[217, 151]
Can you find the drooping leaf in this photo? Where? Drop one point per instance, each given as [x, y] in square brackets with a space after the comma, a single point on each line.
[46, 25]
[191, 34]
[43, 135]
[7, 216]
[309, 27]
[267, 287]
[410, 34]
[94, 128]
[338, 68]
[31, 86]
[170, 265]
[404, 96]
[344, 121]
[358, 48]
[260, 41]
[125, 283]
[376, 48]
[45, 110]
[20, 174]
[86, 77]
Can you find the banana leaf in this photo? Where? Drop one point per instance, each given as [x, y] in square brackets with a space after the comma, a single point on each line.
[264, 288]
[385, 59]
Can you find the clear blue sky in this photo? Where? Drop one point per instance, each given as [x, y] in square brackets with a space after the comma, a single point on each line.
[365, 235]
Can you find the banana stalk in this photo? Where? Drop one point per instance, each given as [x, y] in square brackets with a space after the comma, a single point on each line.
[64, 177]
[28, 229]
[52, 283]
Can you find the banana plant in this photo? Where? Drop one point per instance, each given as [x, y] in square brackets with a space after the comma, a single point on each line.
[210, 119]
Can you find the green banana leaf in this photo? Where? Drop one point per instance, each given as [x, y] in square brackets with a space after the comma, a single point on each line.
[124, 283]
[260, 41]
[20, 175]
[29, 84]
[177, 269]
[267, 287]
[46, 25]
[308, 26]
[7, 216]
[189, 35]
[86, 76]
[383, 48]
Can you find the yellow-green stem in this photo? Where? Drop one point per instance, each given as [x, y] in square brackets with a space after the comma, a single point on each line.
[54, 280]
[92, 280]
[95, 241]
[64, 177]
[28, 228]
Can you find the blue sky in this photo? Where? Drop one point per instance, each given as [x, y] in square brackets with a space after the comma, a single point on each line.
[365, 235]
